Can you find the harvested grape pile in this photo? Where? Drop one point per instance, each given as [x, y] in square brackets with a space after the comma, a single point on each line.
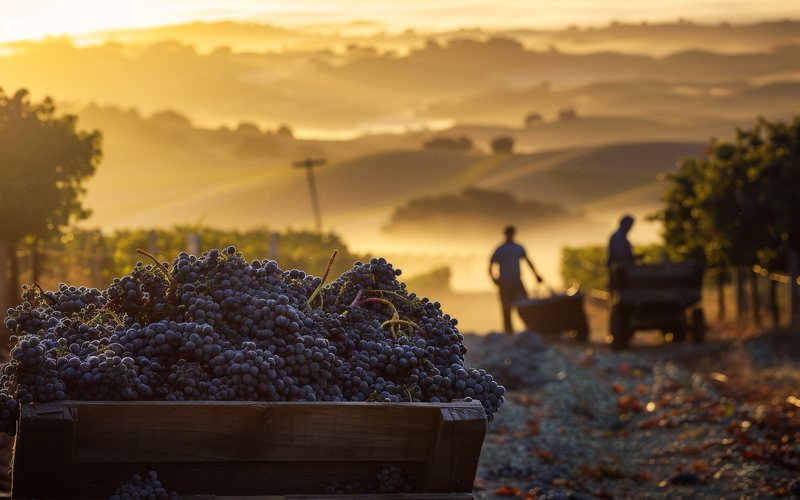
[216, 327]
[139, 487]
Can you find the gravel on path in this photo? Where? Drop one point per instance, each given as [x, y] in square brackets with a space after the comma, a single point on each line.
[582, 421]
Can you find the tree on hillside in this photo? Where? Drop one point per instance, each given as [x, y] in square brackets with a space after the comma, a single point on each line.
[567, 114]
[248, 129]
[171, 119]
[285, 132]
[482, 209]
[739, 204]
[44, 160]
[460, 143]
[502, 145]
[533, 120]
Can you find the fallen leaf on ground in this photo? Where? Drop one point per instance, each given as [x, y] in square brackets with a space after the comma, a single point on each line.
[507, 491]
[532, 426]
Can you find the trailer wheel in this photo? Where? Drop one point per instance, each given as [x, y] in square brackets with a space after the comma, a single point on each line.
[698, 326]
[582, 332]
[680, 330]
[621, 331]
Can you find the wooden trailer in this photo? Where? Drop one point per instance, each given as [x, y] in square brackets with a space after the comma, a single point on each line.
[657, 296]
[240, 449]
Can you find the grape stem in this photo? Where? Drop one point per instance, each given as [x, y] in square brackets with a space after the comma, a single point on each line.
[378, 300]
[395, 321]
[324, 277]
[44, 294]
[161, 267]
[103, 314]
[404, 299]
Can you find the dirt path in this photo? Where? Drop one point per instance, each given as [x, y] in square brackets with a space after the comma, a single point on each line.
[670, 421]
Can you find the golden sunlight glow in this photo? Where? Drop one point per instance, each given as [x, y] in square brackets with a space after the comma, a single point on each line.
[33, 19]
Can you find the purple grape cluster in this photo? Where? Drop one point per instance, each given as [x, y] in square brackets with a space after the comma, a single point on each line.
[143, 488]
[216, 327]
[389, 479]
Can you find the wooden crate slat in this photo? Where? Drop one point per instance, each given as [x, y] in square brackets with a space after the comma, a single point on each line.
[246, 448]
[469, 429]
[454, 457]
[251, 431]
[43, 448]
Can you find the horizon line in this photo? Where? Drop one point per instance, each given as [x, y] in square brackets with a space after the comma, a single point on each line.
[308, 27]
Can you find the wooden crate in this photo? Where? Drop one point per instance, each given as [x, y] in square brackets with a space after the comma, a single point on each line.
[226, 449]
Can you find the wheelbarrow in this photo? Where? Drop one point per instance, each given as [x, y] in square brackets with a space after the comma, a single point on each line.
[556, 313]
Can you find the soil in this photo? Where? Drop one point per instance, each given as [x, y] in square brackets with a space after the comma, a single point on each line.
[662, 420]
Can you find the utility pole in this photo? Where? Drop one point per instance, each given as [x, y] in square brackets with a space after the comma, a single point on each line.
[309, 164]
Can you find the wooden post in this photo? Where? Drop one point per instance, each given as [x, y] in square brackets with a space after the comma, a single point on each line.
[721, 311]
[36, 263]
[274, 244]
[755, 299]
[13, 275]
[309, 164]
[741, 295]
[98, 259]
[775, 313]
[152, 242]
[5, 300]
[794, 307]
[192, 243]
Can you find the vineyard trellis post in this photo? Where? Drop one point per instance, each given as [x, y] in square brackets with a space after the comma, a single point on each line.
[741, 294]
[36, 262]
[274, 243]
[721, 310]
[193, 243]
[755, 299]
[6, 300]
[98, 259]
[794, 308]
[152, 242]
[775, 312]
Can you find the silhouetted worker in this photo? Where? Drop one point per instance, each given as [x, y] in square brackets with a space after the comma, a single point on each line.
[620, 251]
[507, 257]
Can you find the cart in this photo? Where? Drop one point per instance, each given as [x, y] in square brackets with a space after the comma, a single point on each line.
[281, 450]
[557, 313]
[663, 296]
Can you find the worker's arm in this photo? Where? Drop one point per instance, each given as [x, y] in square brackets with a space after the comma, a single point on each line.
[491, 271]
[538, 278]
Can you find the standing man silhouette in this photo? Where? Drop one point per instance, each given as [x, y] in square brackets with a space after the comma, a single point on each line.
[509, 281]
[620, 251]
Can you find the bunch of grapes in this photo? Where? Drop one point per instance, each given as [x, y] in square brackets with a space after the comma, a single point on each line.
[389, 479]
[216, 327]
[143, 488]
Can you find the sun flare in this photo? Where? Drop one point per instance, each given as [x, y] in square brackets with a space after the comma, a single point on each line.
[35, 19]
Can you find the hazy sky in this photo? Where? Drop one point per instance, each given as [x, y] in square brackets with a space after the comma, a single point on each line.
[25, 19]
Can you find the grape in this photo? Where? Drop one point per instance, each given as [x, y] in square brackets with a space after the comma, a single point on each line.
[143, 488]
[218, 328]
[389, 479]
